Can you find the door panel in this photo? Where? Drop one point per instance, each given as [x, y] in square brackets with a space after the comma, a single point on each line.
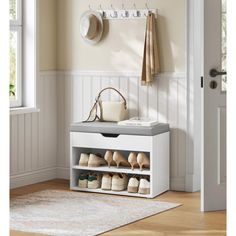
[213, 195]
[221, 157]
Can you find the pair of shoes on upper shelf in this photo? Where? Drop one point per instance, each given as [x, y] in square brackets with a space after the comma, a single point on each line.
[91, 160]
[140, 160]
[91, 181]
[134, 160]
[136, 185]
[115, 182]
[115, 159]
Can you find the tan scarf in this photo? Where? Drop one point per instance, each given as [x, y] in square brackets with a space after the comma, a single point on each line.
[151, 65]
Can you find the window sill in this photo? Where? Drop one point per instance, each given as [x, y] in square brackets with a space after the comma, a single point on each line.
[23, 110]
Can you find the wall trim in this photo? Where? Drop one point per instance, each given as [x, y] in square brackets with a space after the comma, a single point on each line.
[107, 73]
[63, 173]
[32, 177]
[177, 184]
[194, 72]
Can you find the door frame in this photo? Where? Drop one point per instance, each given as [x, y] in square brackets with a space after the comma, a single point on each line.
[195, 49]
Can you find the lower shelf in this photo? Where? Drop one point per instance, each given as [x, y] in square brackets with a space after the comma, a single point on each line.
[124, 193]
[125, 170]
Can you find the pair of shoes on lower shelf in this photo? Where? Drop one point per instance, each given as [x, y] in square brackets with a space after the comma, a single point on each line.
[134, 160]
[115, 182]
[120, 182]
[91, 181]
[137, 185]
[91, 160]
[107, 181]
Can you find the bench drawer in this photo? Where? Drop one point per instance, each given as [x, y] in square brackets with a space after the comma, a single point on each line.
[110, 141]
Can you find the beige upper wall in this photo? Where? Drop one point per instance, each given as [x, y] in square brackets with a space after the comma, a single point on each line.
[122, 45]
[47, 34]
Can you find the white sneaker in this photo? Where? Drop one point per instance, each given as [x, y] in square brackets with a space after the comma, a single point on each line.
[94, 181]
[119, 182]
[133, 185]
[144, 186]
[106, 181]
[83, 161]
[83, 181]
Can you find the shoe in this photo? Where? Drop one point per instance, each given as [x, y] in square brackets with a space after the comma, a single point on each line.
[94, 181]
[109, 159]
[106, 181]
[143, 160]
[132, 159]
[144, 186]
[83, 160]
[119, 182]
[133, 185]
[120, 159]
[96, 160]
[83, 180]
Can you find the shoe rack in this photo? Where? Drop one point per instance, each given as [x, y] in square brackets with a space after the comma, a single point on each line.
[156, 147]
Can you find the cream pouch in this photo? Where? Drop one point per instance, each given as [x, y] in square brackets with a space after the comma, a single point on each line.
[108, 110]
[113, 111]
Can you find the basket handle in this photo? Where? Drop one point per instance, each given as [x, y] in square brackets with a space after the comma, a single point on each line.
[96, 104]
[100, 93]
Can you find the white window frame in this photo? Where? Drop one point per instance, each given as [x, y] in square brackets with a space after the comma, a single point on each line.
[16, 26]
[30, 55]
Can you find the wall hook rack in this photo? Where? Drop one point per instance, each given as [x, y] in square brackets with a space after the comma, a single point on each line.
[124, 13]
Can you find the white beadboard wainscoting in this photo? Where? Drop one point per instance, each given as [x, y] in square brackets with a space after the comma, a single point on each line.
[40, 140]
[33, 138]
[165, 100]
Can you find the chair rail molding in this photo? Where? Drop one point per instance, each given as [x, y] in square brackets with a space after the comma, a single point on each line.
[111, 73]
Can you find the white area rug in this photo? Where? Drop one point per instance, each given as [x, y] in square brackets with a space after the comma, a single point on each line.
[64, 213]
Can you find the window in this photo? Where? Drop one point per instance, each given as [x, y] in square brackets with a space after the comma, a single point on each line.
[23, 55]
[15, 86]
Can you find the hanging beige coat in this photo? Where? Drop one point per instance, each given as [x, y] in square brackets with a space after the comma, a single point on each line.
[151, 66]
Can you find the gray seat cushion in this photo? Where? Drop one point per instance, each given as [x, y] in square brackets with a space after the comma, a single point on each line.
[113, 128]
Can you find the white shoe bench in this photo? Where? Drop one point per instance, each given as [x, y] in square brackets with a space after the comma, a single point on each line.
[97, 137]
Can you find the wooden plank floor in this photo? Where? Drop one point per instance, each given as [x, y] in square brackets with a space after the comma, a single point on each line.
[184, 220]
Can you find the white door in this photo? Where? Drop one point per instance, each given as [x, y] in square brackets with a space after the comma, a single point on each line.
[213, 196]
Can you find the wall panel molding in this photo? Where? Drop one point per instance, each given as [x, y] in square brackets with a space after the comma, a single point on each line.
[66, 97]
[33, 137]
[165, 100]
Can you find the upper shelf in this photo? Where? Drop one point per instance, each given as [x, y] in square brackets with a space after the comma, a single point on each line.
[125, 170]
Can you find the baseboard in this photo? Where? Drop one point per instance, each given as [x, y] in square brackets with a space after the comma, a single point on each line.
[177, 184]
[193, 183]
[32, 177]
[63, 173]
